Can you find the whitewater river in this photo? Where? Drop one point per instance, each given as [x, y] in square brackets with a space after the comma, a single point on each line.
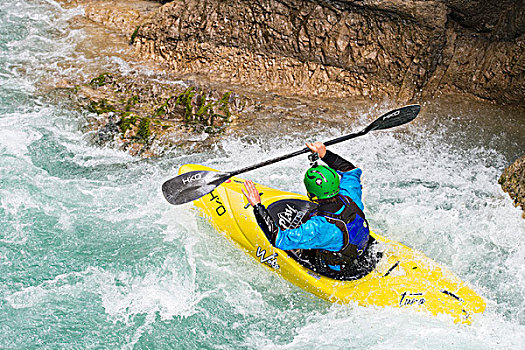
[92, 256]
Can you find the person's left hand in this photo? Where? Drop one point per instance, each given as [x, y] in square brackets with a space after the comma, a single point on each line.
[251, 193]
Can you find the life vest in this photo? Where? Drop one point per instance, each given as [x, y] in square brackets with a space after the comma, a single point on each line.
[352, 222]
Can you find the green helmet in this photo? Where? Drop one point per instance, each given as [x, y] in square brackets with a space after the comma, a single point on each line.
[321, 182]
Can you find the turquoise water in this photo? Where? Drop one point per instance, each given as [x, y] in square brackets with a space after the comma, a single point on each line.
[91, 255]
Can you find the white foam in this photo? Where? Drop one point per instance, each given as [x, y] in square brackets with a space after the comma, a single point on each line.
[14, 142]
[350, 326]
[439, 197]
[162, 290]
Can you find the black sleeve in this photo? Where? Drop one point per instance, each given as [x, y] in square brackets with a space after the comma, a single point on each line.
[266, 223]
[337, 162]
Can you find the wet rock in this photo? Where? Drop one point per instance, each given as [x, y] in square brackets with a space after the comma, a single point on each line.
[121, 16]
[146, 117]
[502, 19]
[403, 49]
[512, 181]
[108, 131]
[306, 54]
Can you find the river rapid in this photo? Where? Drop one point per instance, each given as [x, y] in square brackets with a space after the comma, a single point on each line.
[92, 256]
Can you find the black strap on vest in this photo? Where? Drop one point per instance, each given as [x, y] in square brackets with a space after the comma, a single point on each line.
[349, 251]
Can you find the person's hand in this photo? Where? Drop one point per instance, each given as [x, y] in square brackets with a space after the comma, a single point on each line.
[317, 147]
[251, 193]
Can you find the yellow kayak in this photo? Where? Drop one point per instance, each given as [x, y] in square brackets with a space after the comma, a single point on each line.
[402, 278]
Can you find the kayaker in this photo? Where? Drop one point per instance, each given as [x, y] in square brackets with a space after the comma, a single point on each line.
[335, 240]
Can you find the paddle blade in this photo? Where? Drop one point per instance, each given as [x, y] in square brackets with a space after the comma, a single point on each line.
[192, 185]
[394, 118]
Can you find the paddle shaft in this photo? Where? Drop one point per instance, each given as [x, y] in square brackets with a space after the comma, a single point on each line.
[296, 153]
[195, 184]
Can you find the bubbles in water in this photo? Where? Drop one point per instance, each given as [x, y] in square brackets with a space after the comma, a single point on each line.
[92, 256]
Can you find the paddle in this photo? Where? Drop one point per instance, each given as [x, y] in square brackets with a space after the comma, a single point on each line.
[192, 185]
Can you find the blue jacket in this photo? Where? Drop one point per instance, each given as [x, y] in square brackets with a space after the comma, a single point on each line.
[317, 232]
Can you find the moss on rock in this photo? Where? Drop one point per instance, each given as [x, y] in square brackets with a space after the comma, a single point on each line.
[144, 129]
[134, 35]
[101, 80]
[147, 114]
[101, 107]
[126, 122]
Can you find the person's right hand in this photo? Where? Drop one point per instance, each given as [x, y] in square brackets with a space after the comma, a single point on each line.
[317, 147]
[251, 193]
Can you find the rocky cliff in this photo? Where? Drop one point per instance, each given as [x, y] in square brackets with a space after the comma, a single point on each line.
[390, 48]
[401, 49]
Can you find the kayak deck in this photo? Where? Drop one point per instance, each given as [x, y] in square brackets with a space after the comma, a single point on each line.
[402, 278]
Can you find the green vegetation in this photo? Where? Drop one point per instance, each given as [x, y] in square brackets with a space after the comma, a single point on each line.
[127, 120]
[134, 35]
[202, 113]
[144, 129]
[224, 104]
[101, 107]
[161, 110]
[143, 112]
[101, 80]
[131, 102]
[184, 100]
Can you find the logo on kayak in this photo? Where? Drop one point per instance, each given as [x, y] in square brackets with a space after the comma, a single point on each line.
[268, 260]
[219, 209]
[408, 299]
[194, 177]
[290, 217]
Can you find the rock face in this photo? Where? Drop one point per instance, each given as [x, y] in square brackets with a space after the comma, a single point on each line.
[401, 49]
[123, 16]
[513, 182]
